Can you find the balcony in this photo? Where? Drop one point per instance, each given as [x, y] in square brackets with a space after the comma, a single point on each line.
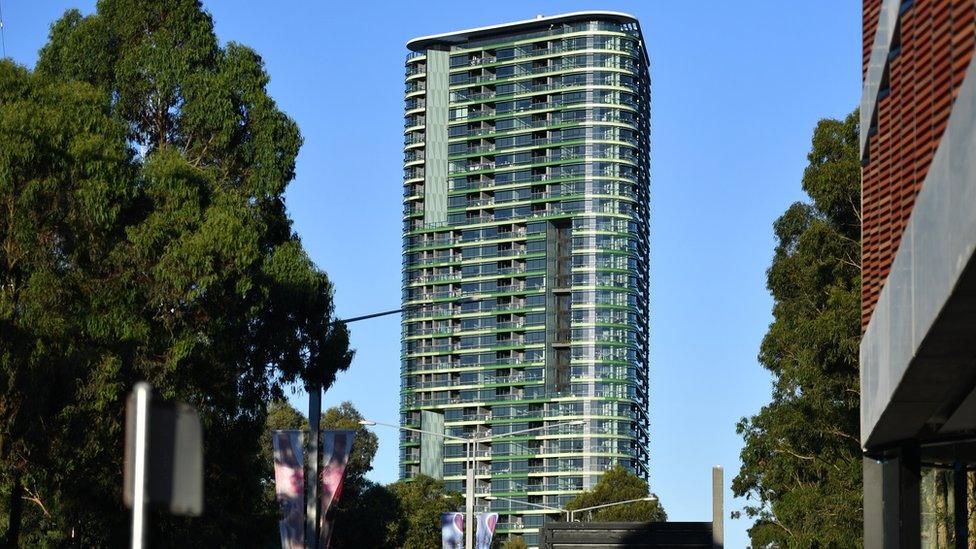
[459, 96]
[476, 150]
[480, 113]
[415, 86]
[415, 103]
[413, 173]
[483, 60]
[413, 138]
[412, 121]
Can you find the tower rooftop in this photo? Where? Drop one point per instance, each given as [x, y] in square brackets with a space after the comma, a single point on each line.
[461, 36]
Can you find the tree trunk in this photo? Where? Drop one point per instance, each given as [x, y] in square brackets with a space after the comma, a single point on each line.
[16, 511]
[941, 510]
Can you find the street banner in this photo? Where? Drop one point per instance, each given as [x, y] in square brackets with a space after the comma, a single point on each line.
[452, 530]
[336, 449]
[486, 530]
[290, 486]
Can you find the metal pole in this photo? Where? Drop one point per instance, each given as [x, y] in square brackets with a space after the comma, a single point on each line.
[312, 466]
[469, 500]
[139, 476]
[718, 508]
[374, 315]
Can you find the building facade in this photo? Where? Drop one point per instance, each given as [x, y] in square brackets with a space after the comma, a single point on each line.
[525, 270]
[918, 351]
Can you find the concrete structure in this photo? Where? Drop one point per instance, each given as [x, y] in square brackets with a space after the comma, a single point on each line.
[525, 235]
[918, 352]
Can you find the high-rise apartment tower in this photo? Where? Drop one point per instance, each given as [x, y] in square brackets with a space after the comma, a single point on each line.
[525, 258]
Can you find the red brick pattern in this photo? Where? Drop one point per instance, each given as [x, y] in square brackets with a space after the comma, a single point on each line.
[937, 40]
[869, 24]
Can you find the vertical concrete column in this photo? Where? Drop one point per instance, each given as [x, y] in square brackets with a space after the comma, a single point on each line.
[873, 477]
[718, 508]
[902, 499]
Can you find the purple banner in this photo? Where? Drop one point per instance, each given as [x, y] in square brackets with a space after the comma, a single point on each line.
[452, 530]
[486, 530]
[336, 449]
[290, 486]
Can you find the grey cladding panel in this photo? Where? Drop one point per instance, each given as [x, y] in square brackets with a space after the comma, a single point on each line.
[432, 446]
[435, 165]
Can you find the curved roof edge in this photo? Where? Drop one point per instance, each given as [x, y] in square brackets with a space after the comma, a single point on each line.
[448, 38]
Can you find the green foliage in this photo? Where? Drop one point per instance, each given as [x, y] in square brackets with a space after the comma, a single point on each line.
[364, 446]
[515, 542]
[618, 484]
[366, 509]
[64, 187]
[366, 516]
[801, 464]
[420, 501]
[144, 236]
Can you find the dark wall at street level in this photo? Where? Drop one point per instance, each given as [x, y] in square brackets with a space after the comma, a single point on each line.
[622, 535]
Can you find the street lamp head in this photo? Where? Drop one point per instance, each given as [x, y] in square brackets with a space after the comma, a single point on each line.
[650, 498]
[367, 423]
[489, 498]
[577, 422]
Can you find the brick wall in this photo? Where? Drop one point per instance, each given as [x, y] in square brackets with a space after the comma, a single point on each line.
[937, 38]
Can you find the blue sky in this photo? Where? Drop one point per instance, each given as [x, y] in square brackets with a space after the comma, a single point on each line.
[737, 90]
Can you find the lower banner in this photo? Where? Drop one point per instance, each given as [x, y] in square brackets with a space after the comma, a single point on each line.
[290, 486]
[452, 530]
[486, 530]
[336, 449]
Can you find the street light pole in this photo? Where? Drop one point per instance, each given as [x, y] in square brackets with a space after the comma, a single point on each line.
[312, 465]
[314, 389]
[469, 498]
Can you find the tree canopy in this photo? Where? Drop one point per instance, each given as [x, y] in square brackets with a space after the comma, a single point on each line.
[65, 175]
[364, 445]
[801, 463]
[618, 484]
[145, 236]
[514, 542]
[421, 500]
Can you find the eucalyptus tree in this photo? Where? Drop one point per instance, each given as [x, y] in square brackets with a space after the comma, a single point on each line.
[143, 167]
[801, 463]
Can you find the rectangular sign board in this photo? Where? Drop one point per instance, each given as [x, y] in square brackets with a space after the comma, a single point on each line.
[174, 452]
